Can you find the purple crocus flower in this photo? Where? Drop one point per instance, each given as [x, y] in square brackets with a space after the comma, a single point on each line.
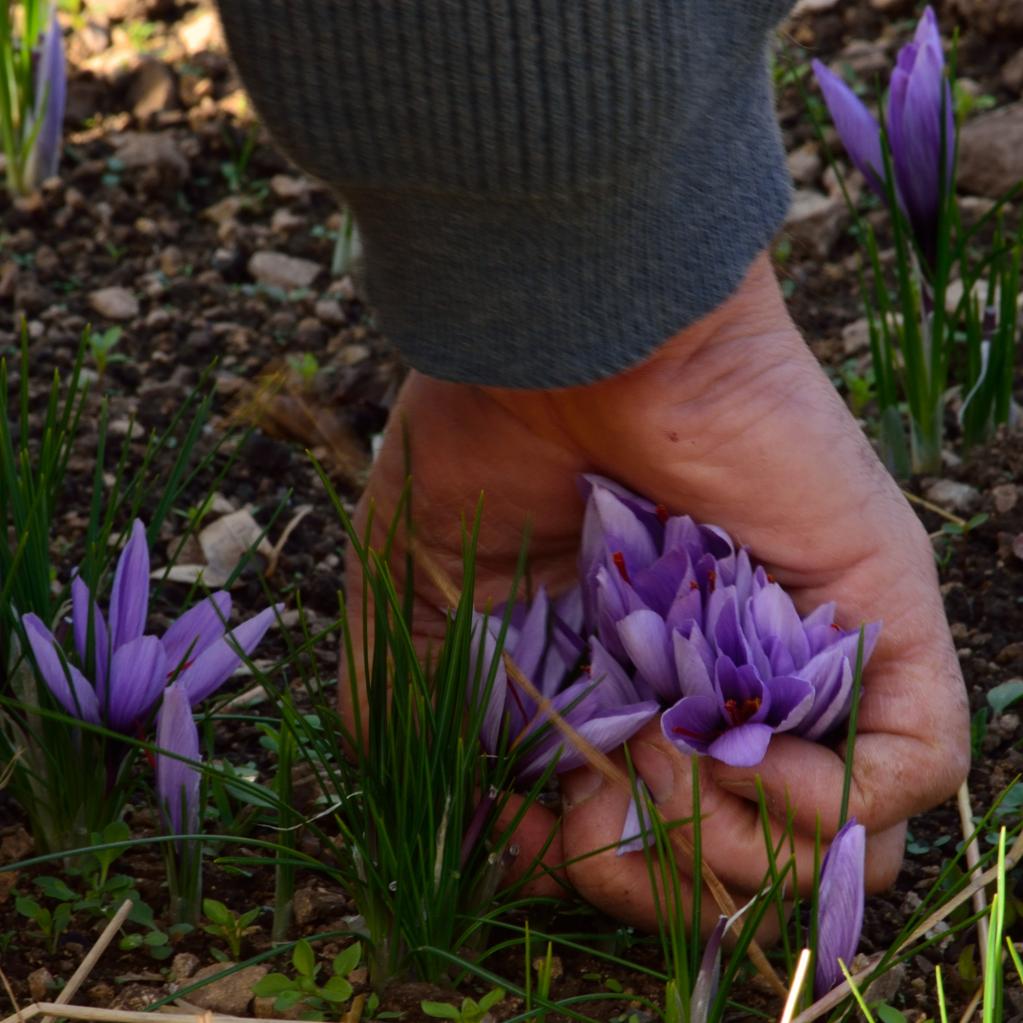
[543, 640]
[50, 91]
[714, 639]
[921, 129]
[840, 905]
[130, 669]
[177, 783]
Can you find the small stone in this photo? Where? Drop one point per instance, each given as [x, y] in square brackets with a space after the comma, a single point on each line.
[158, 319]
[329, 311]
[230, 995]
[1012, 72]
[991, 151]
[115, 303]
[314, 904]
[1005, 496]
[1017, 546]
[815, 221]
[153, 89]
[1010, 653]
[813, 7]
[172, 260]
[183, 966]
[960, 631]
[40, 984]
[155, 151]
[225, 210]
[953, 495]
[201, 33]
[284, 186]
[284, 221]
[276, 269]
[805, 164]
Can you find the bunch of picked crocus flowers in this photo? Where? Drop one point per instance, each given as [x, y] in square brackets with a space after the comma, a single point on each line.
[672, 620]
[124, 676]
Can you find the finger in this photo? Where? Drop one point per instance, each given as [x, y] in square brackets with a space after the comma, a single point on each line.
[733, 831]
[535, 852]
[622, 886]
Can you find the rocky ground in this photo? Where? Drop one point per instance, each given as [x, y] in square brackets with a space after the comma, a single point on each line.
[178, 232]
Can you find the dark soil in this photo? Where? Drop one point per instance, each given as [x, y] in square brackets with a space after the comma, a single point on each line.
[174, 217]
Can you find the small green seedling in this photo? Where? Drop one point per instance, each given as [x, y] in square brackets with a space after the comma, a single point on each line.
[316, 999]
[228, 926]
[471, 1010]
[51, 924]
[305, 366]
[102, 347]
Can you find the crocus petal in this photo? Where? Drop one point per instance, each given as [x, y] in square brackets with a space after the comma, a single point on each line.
[217, 663]
[70, 687]
[482, 654]
[531, 643]
[636, 832]
[791, 700]
[607, 732]
[50, 88]
[774, 615]
[840, 905]
[624, 533]
[612, 685]
[691, 665]
[856, 126]
[177, 783]
[645, 639]
[138, 675]
[744, 746]
[693, 723]
[81, 605]
[832, 700]
[706, 986]
[129, 600]
[197, 629]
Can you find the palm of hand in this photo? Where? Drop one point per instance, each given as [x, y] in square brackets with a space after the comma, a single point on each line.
[731, 422]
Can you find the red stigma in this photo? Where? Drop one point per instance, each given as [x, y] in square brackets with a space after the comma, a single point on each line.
[662, 514]
[740, 712]
[694, 585]
[712, 578]
[619, 559]
[770, 578]
[836, 626]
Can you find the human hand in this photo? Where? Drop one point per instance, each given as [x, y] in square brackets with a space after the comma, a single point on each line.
[731, 422]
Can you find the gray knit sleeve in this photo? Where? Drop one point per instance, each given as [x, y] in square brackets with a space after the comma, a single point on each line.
[546, 190]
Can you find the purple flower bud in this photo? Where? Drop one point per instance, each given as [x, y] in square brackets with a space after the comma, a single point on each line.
[177, 782]
[840, 905]
[921, 130]
[50, 92]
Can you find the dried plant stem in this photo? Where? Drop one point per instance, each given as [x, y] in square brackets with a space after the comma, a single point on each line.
[18, 1014]
[832, 998]
[932, 507]
[86, 965]
[600, 762]
[354, 1014]
[972, 1007]
[973, 861]
[89, 1012]
[798, 979]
